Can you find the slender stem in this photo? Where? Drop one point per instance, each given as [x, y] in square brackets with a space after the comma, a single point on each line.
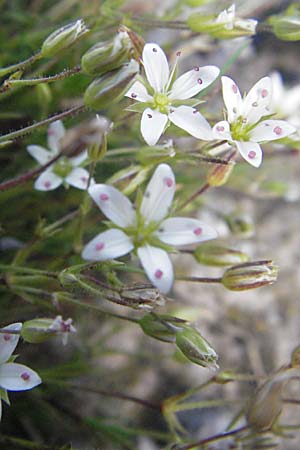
[193, 196]
[199, 279]
[27, 130]
[21, 65]
[61, 221]
[173, 24]
[28, 270]
[211, 439]
[32, 82]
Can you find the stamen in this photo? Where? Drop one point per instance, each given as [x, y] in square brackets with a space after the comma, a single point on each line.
[150, 116]
[84, 179]
[220, 128]
[169, 182]
[154, 50]
[254, 104]
[195, 111]
[264, 93]
[25, 376]
[196, 68]
[104, 197]
[178, 54]
[252, 154]
[7, 337]
[234, 88]
[133, 95]
[158, 274]
[199, 81]
[278, 131]
[47, 184]
[99, 246]
[197, 231]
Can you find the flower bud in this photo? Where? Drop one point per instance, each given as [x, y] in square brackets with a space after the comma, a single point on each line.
[162, 327]
[63, 37]
[250, 275]
[39, 330]
[97, 150]
[216, 255]
[196, 348]
[142, 297]
[286, 28]
[220, 174]
[109, 88]
[106, 56]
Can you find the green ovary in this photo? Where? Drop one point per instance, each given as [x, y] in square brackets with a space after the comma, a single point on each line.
[240, 131]
[63, 167]
[161, 102]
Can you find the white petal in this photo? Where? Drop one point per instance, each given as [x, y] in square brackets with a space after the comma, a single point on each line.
[156, 66]
[113, 204]
[47, 181]
[159, 194]
[40, 154]
[139, 93]
[192, 82]
[79, 159]
[8, 342]
[78, 178]
[183, 231]
[107, 245]
[232, 98]
[152, 125]
[192, 121]
[221, 130]
[158, 267]
[270, 130]
[56, 132]
[251, 152]
[16, 377]
[258, 100]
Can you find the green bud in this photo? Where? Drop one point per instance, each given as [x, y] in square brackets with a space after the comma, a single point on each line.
[286, 28]
[162, 327]
[220, 174]
[97, 150]
[250, 275]
[195, 3]
[63, 38]
[37, 330]
[109, 88]
[106, 56]
[216, 255]
[240, 224]
[196, 348]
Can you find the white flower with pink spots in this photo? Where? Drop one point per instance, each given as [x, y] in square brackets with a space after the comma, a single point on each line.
[65, 171]
[13, 377]
[148, 231]
[244, 125]
[164, 99]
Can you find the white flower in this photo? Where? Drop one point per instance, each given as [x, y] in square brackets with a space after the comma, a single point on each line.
[230, 21]
[165, 100]
[66, 170]
[286, 102]
[147, 231]
[244, 126]
[13, 377]
[63, 327]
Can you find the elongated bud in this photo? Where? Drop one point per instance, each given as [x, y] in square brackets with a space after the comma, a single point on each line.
[196, 348]
[63, 37]
[250, 275]
[106, 56]
[286, 28]
[162, 327]
[216, 255]
[220, 174]
[109, 88]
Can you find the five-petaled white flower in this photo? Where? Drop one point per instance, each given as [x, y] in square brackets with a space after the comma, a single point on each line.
[66, 170]
[146, 231]
[13, 377]
[165, 99]
[244, 126]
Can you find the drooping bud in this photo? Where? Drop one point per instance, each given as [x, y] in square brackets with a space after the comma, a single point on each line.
[195, 348]
[162, 327]
[220, 174]
[63, 37]
[250, 275]
[109, 88]
[106, 56]
[287, 27]
[216, 255]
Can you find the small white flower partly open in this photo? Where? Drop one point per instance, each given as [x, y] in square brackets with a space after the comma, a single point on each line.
[13, 377]
[63, 327]
[146, 231]
[165, 99]
[244, 126]
[230, 21]
[65, 171]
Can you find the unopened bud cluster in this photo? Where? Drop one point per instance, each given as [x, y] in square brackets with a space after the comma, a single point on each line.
[63, 38]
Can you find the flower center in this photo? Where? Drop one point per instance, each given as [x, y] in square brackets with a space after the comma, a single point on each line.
[240, 131]
[161, 102]
[63, 167]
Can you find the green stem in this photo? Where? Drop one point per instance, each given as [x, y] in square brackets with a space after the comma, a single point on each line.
[17, 269]
[173, 24]
[194, 196]
[199, 279]
[209, 440]
[205, 404]
[21, 65]
[27, 130]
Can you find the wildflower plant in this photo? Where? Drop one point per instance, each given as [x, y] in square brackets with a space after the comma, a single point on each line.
[150, 305]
